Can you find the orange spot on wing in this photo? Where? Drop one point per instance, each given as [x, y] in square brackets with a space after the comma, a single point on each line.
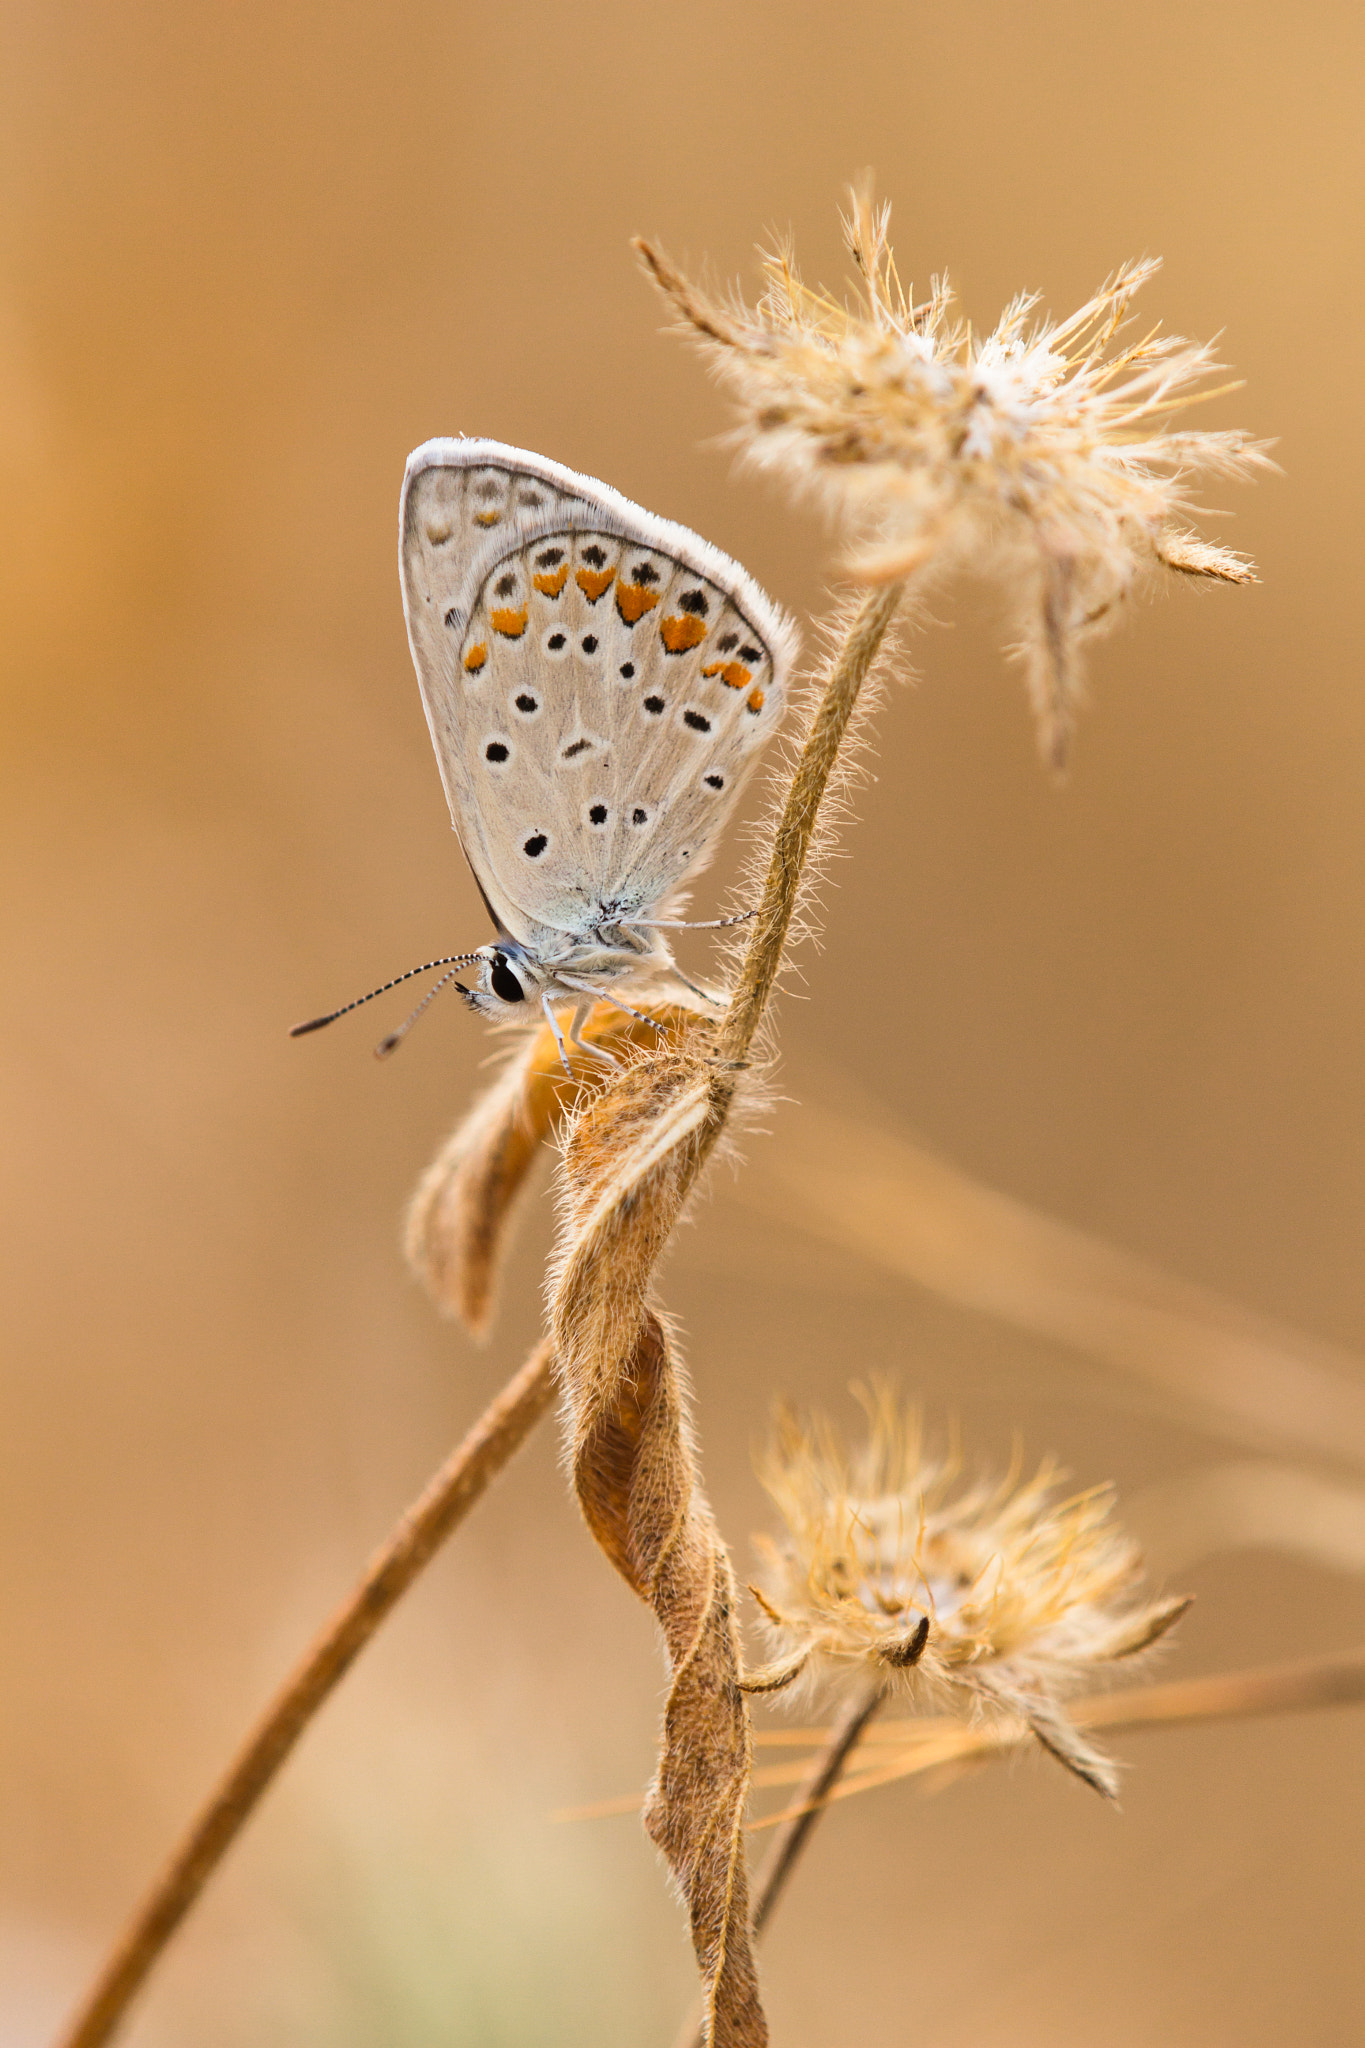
[755, 700]
[551, 585]
[488, 518]
[512, 624]
[681, 633]
[476, 657]
[732, 673]
[633, 600]
[592, 582]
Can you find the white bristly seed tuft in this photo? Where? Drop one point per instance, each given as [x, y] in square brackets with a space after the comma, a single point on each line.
[1042, 456]
[893, 1572]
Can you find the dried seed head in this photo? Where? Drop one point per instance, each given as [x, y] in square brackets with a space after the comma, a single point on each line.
[1005, 1593]
[1040, 454]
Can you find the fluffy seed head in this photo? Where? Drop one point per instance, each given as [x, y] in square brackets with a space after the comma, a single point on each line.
[894, 1569]
[1041, 454]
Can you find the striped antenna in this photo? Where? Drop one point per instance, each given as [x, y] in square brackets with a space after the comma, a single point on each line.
[451, 960]
[395, 1038]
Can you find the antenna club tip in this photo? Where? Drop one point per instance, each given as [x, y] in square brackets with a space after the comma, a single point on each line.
[313, 1024]
[388, 1045]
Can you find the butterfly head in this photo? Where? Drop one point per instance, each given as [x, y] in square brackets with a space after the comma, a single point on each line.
[508, 978]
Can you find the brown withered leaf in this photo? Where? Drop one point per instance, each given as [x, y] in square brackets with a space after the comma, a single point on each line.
[459, 1221]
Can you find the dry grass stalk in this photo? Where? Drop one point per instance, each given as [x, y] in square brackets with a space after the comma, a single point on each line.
[1040, 455]
[632, 1156]
[860, 1185]
[1259, 1505]
[438, 1510]
[822, 1776]
[944, 1746]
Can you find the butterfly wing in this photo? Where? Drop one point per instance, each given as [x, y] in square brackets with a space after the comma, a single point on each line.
[597, 682]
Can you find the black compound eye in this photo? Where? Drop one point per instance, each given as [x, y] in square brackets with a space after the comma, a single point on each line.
[504, 983]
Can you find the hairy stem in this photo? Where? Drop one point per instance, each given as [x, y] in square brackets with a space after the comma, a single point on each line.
[796, 826]
[438, 1510]
[824, 1774]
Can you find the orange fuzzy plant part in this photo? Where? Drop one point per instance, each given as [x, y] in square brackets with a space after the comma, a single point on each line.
[459, 1219]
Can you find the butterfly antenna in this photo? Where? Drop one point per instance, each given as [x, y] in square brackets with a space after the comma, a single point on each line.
[316, 1023]
[395, 1038]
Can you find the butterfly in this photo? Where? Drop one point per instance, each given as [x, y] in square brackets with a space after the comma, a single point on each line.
[598, 682]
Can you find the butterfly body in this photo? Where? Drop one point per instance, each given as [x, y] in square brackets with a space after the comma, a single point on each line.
[597, 682]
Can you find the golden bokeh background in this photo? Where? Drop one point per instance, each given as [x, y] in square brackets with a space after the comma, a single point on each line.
[251, 257]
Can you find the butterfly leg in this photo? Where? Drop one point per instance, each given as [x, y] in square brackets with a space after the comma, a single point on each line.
[550, 1018]
[685, 924]
[576, 1023]
[601, 995]
[592, 1052]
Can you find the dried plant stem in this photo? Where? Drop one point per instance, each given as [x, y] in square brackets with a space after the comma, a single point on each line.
[632, 1158]
[439, 1509]
[791, 844]
[824, 1775]
[1334, 1681]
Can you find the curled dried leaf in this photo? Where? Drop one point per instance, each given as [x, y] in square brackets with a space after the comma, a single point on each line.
[631, 1159]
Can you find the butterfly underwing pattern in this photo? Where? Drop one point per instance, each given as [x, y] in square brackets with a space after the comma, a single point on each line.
[598, 682]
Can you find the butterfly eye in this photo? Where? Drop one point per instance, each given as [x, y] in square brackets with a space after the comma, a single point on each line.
[504, 983]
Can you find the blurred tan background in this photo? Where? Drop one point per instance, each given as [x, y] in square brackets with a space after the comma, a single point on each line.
[251, 256]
